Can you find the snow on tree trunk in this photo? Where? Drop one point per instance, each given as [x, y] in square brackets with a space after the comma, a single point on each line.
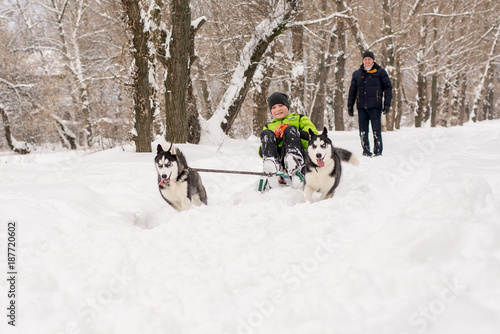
[67, 136]
[20, 147]
[77, 69]
[339, 93]
[206, 93]
[421, 79]
[298, 73]
[463, 99]
[398, 89]
[70, 50]
[177, 79]
[390, 59]
[481, 89]
[140, 24]
[216, 128]
[262, 77]
[359, 38]
[319, 96]
[193, 121]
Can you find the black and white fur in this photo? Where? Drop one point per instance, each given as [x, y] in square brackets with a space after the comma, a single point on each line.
[323, 165]
[178, 185]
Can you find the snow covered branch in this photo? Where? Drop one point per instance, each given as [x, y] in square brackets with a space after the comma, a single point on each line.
[265, 32]
[456, 14]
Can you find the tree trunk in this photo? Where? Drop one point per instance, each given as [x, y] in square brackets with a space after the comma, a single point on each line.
[352, 21]
[463, 99]
[73, 66]
[398, 96]
[68, 138]
[445, 106]
[261, 110]
[193, 116]
[298, 77]
[205, 89]
[481, 90]
[318, 107]
[434, 99]
[390, 59]
[16, 146]
[177, 81]
[339, 93]
[421, 80]
[143, 109]
[455, 102]
[488, 102]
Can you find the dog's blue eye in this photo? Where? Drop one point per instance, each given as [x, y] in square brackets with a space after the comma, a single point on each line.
[323, 146]
[160, 166]
[169, 164]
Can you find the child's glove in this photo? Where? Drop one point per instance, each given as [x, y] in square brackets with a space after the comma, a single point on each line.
[280, 130]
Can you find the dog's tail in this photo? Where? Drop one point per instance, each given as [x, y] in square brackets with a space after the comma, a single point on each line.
[347, 156]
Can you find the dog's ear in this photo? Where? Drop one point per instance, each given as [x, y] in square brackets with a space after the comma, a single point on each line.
[159, 148]
[311, 133]
[325, 131]
[172, 149]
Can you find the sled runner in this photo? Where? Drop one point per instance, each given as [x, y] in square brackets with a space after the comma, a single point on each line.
[280, 179]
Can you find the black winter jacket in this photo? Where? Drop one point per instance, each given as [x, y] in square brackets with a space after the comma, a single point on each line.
[367, 88]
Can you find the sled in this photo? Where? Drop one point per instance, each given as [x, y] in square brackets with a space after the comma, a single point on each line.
[280, 180]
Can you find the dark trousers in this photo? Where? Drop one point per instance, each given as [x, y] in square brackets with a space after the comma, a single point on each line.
[291, 144]
[365, 116]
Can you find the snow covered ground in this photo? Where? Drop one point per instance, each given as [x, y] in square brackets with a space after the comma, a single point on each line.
[409, 244]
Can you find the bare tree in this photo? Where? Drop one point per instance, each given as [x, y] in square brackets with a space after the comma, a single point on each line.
[16, 146]
[487, 75]
[262, 79]
[142, 87]
[251, 55]
[390, 59]
[298, 72]
[317, 114]
[421, 77]
[177, 79]
[339, 92]
[193, 115]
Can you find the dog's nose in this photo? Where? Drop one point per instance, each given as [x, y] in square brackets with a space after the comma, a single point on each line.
[163, 176]
[318, 155]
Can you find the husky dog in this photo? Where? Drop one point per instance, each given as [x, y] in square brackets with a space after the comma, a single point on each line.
[178, 185]
[323, 167]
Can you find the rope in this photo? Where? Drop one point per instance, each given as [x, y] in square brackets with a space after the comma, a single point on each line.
[227, 171]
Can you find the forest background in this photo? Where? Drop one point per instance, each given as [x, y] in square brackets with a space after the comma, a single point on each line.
[97, 74]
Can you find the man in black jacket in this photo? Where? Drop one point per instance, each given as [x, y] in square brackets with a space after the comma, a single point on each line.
[370, 85]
